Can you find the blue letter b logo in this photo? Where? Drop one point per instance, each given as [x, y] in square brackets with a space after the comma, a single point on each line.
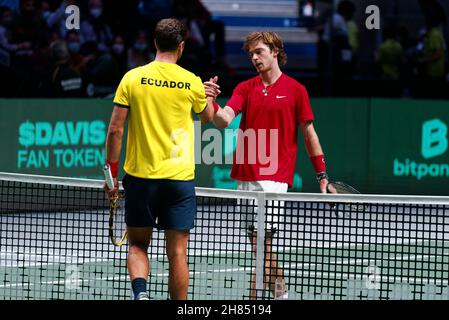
[434, 138]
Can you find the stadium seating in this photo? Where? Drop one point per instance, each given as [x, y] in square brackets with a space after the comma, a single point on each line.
[242, 17]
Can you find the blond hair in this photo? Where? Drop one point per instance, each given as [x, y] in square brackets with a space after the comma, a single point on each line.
[271, 39]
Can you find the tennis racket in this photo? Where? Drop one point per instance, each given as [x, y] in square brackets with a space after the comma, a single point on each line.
[339, 187]
[341, 209]
[117, 227]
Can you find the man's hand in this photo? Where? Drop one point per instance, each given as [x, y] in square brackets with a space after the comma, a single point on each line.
[211, 88]
[111, 193]
[323, 185]
[331, 189]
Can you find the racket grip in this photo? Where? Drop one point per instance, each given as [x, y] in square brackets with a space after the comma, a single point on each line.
[108, 176]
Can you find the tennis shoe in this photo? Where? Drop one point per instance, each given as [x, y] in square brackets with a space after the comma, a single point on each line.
[142, 296]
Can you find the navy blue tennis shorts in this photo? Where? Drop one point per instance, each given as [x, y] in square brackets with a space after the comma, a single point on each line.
[159, 203]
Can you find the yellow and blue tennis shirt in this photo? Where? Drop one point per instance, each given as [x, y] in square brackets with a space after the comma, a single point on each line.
[161, 97]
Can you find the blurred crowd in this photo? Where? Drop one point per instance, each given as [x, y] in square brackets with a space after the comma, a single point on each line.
[41, 57]
[402, 65]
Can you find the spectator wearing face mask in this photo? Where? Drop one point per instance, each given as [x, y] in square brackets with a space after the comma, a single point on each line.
[78, 61]
[73, 42]
[65, 80]
[118, 54]
[95, 27]
[139, 54]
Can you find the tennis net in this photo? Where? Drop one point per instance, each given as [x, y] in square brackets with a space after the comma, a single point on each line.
[54, 245]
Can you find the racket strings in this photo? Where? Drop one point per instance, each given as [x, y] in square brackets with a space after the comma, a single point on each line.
[117, 229]
[340, 189]
[343, 188]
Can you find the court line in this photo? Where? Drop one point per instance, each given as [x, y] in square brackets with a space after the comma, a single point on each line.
[245, 269]
[395, 279]
[26, 260]
[361, 261]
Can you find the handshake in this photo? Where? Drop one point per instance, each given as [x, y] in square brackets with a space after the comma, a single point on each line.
[211, 88]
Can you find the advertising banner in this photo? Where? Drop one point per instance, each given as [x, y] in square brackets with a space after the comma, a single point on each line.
[378, 146]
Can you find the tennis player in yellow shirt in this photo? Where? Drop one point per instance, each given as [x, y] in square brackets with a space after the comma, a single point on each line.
[157, 101]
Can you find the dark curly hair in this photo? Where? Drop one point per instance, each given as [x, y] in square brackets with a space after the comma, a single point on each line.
[169, 33]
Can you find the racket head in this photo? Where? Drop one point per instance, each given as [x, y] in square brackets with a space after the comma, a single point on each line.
[343, 210]
[338, 187]
[117, 226]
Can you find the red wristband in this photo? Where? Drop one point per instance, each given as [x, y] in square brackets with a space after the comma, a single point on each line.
[216, 107]
[318, 163]
[114, 168]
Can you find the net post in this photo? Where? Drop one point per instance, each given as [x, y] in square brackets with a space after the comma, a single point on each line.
[260, 244]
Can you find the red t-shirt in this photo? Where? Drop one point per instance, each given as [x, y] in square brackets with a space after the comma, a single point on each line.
[274, 115]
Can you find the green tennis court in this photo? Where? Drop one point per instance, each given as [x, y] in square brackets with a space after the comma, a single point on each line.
[220, 277]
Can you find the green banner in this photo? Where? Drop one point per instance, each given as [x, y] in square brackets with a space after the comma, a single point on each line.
[408, 152]
[378, 146]
[54, 137]
[341, 125]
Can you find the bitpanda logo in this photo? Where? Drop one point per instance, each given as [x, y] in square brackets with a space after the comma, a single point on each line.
[434, 143]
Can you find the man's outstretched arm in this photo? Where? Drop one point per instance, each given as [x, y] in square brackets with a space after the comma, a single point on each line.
[223, 116]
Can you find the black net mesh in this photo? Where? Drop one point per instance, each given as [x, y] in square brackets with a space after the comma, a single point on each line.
[54, 245]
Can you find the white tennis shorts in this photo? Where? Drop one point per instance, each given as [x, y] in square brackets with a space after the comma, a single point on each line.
[248, 209]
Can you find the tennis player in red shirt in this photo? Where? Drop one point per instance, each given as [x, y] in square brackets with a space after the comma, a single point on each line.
[273, 106]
